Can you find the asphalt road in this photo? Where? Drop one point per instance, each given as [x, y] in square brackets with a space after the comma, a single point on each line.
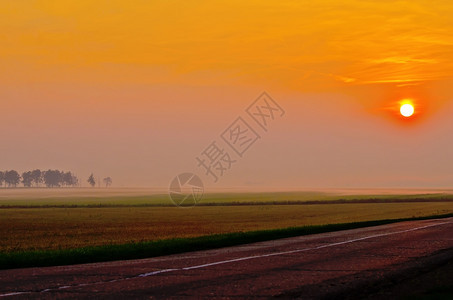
[367, 262]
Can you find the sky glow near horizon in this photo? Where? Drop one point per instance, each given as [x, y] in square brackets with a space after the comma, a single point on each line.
[137, 90]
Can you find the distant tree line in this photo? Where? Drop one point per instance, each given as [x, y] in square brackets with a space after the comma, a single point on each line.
[36, 178]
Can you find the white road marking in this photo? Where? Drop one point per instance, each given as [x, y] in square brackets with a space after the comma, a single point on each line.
[224, 261]
[288, 252]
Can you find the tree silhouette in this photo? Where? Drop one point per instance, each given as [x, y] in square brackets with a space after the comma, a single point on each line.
[75, 180]
[27, 179]
[91, 180]
[52, 178]
[36, 176]
[107, 181]
[2, 178]
[12, 178]
[68, 179]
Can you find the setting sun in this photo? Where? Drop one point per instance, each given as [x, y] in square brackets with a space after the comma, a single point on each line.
[407, 110]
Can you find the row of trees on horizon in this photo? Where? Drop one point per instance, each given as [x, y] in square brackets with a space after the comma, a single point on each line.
[49, 178]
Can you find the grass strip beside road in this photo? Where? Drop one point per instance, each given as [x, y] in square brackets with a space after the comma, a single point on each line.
[242, 203]
[216, 199]
[41, 258]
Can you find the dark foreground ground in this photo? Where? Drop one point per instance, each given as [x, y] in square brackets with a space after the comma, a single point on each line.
[400, 260]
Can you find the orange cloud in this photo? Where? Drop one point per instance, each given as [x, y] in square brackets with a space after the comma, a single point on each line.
[288, 43]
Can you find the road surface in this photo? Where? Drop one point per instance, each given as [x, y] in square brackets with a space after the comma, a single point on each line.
[359, 263]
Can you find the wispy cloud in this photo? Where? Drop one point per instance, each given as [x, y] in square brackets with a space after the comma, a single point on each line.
[353, 42]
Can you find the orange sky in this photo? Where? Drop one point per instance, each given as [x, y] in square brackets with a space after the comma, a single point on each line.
[136, 90]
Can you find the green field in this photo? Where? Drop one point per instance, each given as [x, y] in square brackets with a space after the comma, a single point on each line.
[46, 219]
[43, 197]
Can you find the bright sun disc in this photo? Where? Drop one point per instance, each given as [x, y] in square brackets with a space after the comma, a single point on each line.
[407, 110]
